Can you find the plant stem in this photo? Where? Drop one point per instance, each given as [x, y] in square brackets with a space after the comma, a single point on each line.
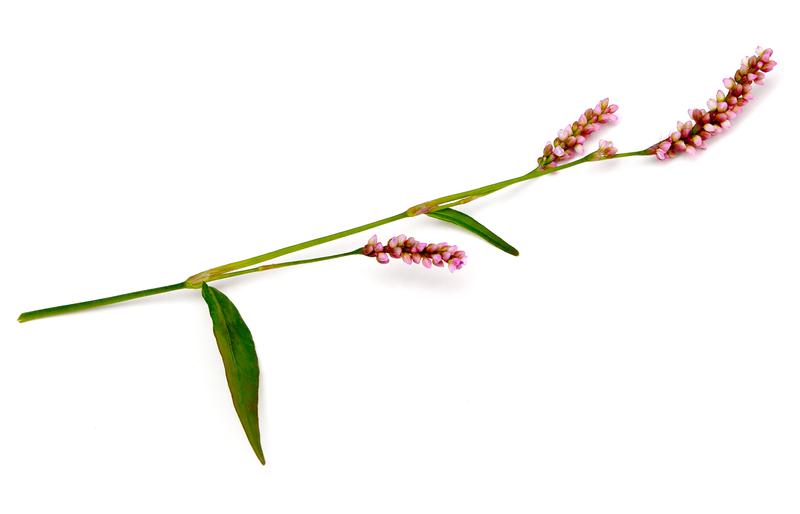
[82, 306]
[234, 269]
[197, 280]
[443, 202]
[458, 198]
[357, 251]
[646, 151]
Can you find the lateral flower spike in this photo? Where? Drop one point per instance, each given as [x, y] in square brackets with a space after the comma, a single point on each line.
[412, 251]
[571, 138]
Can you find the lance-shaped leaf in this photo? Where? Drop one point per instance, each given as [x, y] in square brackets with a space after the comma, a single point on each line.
[235, 343]
[468, 222]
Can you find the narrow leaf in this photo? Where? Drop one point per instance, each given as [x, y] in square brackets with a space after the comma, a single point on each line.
[235, 343]
[468, 222]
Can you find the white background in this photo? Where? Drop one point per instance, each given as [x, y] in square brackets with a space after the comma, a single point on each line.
[641, 355]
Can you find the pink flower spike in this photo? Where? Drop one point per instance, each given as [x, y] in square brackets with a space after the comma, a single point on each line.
[570, 139]
[721, 109]
[412, 251]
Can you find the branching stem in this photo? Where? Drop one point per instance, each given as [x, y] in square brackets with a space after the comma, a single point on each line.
[243, 267]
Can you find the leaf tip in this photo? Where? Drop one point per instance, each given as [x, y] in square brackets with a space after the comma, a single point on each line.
[27, 316]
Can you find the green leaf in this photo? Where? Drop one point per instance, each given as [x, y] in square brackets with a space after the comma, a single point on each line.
[235, 343]
[468, 222]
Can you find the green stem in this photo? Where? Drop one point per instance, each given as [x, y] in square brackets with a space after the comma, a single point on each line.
[640, 153]
[357, 251]
[497, 186]
[472, 194]
[196, 281]
[235, 268]
[436, 204]
[82, 306]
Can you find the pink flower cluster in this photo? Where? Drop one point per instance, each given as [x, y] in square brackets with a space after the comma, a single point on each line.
[605, 150]
[571, 138]
[417, 252]
[692, 134]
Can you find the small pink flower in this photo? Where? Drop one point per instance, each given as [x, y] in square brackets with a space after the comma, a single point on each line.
[724, 107]
[412, 251]
[605, 150]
